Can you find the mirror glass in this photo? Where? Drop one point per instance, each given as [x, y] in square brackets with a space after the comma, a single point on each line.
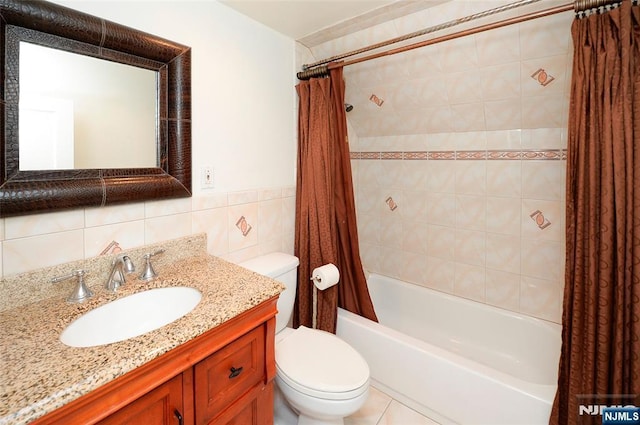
[80, 112]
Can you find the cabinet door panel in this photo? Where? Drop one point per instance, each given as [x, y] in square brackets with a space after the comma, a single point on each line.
[157, 407]
[226, 375]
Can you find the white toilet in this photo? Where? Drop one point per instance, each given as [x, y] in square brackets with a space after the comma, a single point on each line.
[322, 377]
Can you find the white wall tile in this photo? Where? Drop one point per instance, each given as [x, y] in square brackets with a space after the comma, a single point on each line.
[270, 219]
[213, 222]
[440, 274]
[471, 212]
[243, 226]
[543, 180]
[243, 197]
[504, 215]
[269, 194]
[391, 262]
[504, 178]
[501, 82]
[546, 36]
[469, 282]
[40, 224]
[471, 177]
[391, 232]
[415, 236]
[167, 227]
[441, 242]
[498, 46]
[129, 234]
[113, 214]
[214, 200]
[470, 247]
[503, 252]
[542, 259]
[167, 207]
[502, 289]
[35, 252]
[541, 298]
[442, 209]
[442, 176]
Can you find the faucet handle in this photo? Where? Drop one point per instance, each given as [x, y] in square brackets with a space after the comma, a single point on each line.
[80, 293]
[148, 272]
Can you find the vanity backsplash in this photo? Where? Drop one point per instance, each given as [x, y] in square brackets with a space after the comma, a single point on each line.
[33, 286]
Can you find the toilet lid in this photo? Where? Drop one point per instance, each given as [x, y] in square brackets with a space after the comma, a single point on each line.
[321, 362]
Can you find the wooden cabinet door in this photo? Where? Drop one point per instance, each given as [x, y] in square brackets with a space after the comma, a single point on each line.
[161, 406]
[230, 375]
[254, 408]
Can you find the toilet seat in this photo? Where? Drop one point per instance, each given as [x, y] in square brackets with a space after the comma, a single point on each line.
[320, 364]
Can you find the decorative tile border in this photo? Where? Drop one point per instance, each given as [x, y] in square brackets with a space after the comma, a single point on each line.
[525, 155]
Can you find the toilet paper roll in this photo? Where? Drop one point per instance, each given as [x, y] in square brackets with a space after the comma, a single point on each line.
[325, 276]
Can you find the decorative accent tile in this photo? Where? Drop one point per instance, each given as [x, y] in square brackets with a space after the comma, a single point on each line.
[391, 203]
[481, 155]
[243, 225]
[540, 219]
[442, 155]
[375, 99]
[111, 248]
[416, 155]
[471, 155]
[542, 77]
[493, 155]
[370, 155]
[391, 155]
[542, 154]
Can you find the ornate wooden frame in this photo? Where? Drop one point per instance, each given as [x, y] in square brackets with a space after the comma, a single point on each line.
[51, 25]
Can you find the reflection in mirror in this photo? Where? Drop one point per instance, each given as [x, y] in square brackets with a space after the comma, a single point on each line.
[80, 112]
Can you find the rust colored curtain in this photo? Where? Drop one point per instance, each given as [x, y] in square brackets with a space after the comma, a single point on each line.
[326, 230]
[600, 358]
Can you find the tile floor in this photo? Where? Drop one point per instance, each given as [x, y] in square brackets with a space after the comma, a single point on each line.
[381, 409]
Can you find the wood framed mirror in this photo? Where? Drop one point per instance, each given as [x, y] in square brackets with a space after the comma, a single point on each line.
[29, 191]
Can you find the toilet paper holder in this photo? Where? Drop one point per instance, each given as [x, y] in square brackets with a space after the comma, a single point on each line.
[322, 277]
[325, 276]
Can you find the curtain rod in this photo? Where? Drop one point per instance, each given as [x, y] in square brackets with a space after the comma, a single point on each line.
[321, 68]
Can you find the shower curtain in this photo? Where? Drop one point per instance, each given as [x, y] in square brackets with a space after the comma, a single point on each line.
[600, 359]
[326, 230]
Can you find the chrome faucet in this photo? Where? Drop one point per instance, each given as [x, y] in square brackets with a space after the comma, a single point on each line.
[149, 273]
[121, 266]
[80, 293]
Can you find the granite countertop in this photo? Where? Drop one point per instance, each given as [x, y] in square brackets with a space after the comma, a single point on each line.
[39, 373]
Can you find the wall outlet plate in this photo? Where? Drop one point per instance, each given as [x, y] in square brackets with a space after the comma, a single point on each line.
[207, 177]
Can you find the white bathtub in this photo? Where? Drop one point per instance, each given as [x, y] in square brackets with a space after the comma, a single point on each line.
[456, 360]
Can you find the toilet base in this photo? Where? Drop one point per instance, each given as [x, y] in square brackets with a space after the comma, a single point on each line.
[315, 411]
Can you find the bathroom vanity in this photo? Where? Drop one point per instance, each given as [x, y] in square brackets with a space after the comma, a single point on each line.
[216, 364]
[223, 376]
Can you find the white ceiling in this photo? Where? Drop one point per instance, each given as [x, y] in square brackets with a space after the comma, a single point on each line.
[300, 18]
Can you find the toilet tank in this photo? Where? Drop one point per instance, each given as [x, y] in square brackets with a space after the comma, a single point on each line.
[283, 268]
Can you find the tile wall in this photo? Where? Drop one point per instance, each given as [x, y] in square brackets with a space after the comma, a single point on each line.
[485, 224]
[458, 151]
[239, 225]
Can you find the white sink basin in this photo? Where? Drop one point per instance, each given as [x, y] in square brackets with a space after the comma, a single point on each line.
[130, 316]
